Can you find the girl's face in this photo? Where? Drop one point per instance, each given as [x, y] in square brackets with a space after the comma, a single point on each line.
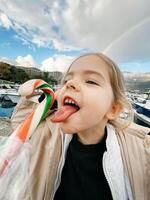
[88, 84]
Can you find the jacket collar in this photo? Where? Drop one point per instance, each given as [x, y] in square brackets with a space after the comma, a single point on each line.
[112, 164]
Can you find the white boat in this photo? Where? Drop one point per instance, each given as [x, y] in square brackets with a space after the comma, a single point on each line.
[142, 110]
[8, 97]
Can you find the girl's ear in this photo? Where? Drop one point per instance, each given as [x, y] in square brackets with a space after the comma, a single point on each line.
[116, 109]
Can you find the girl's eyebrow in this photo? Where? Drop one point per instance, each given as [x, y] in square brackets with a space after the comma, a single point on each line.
[86, 72]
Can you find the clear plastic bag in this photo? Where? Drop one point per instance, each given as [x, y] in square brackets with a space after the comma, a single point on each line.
[14, 180]
[15, 151]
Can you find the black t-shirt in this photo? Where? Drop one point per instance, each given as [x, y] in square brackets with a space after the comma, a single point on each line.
[82, 176]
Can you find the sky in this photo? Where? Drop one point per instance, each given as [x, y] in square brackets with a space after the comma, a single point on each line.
[50, 34]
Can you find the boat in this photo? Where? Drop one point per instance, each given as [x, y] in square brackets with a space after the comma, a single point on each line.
[8, 99]
[141, 108]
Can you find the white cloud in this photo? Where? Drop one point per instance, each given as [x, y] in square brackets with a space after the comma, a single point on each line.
[7, 60]
[136, 67]
[5, 21]
[26, 61]
[57, 63]
[118, 27]
[61, 46]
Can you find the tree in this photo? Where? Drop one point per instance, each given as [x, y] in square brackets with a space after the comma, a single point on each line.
[5, 71]
[52, 80]
[45, 77]
[18, 75]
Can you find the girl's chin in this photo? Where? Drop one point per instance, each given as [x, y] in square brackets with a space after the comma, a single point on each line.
[68, 129]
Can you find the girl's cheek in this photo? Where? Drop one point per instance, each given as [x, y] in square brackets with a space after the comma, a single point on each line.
[59, 94]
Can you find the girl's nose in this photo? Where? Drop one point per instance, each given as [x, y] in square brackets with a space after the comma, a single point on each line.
[72, 84]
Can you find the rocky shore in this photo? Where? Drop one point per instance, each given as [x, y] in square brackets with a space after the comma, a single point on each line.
[5, 127]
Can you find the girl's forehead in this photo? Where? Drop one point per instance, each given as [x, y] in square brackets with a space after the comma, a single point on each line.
[90, 63]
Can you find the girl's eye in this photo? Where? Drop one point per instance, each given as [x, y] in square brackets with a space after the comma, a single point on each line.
[64, 81]
[91, 82]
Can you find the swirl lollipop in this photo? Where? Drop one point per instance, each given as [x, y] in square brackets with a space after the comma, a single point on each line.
[14, 143]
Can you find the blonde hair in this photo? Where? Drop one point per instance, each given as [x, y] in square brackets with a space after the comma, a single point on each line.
[118, 86]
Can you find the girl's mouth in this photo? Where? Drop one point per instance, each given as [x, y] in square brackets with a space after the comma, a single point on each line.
[69, 107]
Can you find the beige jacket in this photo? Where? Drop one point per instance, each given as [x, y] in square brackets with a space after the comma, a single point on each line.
[47, 148]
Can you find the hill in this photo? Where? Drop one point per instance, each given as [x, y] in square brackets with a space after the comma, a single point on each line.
[137, 81]
[19, 74]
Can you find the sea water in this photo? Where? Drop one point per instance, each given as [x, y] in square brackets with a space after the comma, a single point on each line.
[6, 112]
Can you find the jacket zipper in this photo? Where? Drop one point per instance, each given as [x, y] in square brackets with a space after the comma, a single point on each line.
[54, 185]
[108, 178]
[61, 165]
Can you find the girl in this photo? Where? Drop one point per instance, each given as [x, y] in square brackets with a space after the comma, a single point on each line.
[83, 151]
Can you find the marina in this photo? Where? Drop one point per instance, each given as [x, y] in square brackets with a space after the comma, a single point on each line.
[141, 107]
[9, 97]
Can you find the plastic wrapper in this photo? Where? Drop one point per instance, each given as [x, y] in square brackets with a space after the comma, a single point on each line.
[15, 151]
[14, 180]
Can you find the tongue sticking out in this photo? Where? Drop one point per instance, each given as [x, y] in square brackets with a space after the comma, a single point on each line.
[64, 113]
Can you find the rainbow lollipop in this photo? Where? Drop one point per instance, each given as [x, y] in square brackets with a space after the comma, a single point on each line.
[14, 143]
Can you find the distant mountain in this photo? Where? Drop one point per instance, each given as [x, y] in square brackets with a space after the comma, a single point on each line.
[21, 74]
[137, 75]
[137, 81]
[133, 80]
